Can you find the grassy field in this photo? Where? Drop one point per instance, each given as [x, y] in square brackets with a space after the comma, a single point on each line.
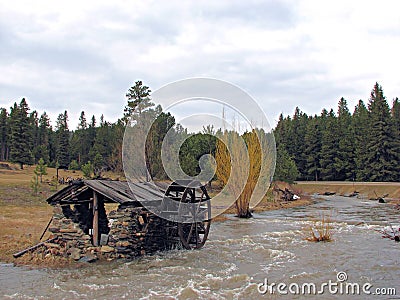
[23, 215]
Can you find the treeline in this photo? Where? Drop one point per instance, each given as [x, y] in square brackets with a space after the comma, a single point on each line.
[26, 137]
[362, 146]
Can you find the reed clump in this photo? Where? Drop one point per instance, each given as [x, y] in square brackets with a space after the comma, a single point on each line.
[320, 230]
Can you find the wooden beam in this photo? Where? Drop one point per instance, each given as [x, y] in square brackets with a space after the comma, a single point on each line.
[95, 220]
[16, 255]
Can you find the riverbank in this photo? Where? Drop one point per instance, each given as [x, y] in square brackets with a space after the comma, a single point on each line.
[272, 200]
[368, 190]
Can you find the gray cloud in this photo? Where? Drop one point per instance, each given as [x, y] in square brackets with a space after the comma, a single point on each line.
[266, 14]
[281, 52]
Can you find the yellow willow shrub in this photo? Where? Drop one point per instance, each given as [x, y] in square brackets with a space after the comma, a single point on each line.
[239, 162]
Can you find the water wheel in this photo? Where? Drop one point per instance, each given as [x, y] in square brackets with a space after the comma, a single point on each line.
[194, 235]
[194, 231]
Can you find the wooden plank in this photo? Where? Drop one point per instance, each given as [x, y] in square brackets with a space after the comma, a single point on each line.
[119, 187]
[156, 191]
[69, 202]
[62, 194]
[139, 192]
[107, 192]
[44, 231]
[95, 220]
[16, 255]
[115, 192]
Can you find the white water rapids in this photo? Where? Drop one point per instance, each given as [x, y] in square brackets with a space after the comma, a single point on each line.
[238, 256]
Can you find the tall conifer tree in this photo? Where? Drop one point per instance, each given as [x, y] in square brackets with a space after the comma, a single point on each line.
[3, 134]
[383, 148]
[344, 160]
[63, 147]
[20, 134]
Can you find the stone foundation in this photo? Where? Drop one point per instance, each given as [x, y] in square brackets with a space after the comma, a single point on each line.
[136, 231]
[127, 232]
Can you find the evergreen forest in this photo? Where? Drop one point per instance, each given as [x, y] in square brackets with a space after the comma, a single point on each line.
[336, 145]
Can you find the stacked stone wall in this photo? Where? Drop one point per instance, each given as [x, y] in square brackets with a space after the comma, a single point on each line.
[127, 232]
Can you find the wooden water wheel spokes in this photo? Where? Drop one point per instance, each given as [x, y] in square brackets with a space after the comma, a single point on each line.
[194, 208]
[194, 235]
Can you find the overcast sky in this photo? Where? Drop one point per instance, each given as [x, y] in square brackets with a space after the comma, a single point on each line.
[84, 55]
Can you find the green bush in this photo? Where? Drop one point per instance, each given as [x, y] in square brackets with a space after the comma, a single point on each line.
[74, 165]
[87, 170]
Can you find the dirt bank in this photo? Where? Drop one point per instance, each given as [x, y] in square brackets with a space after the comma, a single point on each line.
[366, 189]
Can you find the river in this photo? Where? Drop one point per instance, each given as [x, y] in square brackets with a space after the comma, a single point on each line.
[239, 256]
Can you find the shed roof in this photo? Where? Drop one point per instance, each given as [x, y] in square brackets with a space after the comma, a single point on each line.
[113, 191]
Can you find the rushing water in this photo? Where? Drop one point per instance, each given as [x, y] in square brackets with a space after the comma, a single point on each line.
[238, 256]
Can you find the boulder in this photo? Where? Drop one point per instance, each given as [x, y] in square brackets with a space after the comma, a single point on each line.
[106, 249]
[74, 253]
[52, 245]
[89, 258]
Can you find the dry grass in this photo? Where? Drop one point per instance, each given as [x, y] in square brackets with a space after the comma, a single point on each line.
[23, 216]
[22, 227]
[320, 231]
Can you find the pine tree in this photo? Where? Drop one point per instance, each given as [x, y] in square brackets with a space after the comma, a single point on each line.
[396, 114]
[282, 130]
[87, 170]
[81, 140]
[329, 144]
[102, 147]
[286, 169]
[98, 163]
[34, 134]
[42, 149]
[93, 122]
[138, 101]
[3, 134]
[344, 160]
[41, 169]
[360, 121]
[160, 127]
[115, 160]
[63, 148]
[82, 121]
[312, 141]
[295, 141]
[383, 148]
[20, 135]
